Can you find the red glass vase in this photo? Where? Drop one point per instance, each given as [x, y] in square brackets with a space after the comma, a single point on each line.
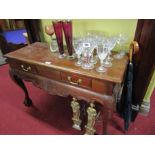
[58, 29]
[67, 27]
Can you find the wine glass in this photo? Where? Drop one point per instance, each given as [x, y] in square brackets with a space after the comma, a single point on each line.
[102, 53]
[91, 39]
[99, 39]
[77, 45]
[109, 44]
[49, 30]
[122, 39]
[95, 38]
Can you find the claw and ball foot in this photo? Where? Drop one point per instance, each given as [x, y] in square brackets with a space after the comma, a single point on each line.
[27, 102]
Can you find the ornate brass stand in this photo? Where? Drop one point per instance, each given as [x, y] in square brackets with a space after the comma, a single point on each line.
[91, 120]
[76, 114]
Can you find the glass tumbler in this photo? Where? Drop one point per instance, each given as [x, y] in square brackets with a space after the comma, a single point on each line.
[86, 56]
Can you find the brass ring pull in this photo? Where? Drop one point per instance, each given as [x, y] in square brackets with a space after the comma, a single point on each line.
[79, 81]
[26, 69]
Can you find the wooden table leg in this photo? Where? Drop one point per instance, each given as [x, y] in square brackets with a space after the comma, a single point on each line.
[20, 83]
[106, 114]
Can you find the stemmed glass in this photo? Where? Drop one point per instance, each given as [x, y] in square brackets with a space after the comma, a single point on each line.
[122, 39]
[102, 53]
[95, 38]
[91, 39]
[49, 30]
[98, 39]
[77, 45]
[109, 44]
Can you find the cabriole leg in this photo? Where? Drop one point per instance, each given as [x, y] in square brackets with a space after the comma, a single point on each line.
[20, 83]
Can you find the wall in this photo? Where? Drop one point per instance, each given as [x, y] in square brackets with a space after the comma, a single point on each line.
[107, 26]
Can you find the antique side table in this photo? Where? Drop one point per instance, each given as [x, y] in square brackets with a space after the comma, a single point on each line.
[37, 64]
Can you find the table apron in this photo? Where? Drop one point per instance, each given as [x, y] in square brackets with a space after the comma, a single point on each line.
[63, 89]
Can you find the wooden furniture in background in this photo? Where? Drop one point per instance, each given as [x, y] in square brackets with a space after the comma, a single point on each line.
[30, 25]
[16, 24]
[33, 30]
[144, 63]
[45, 70]
[3, 25]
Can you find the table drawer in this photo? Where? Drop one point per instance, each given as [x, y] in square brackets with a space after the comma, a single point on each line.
[103, 87]
[76, 80]
[26, 67]
[49, 72]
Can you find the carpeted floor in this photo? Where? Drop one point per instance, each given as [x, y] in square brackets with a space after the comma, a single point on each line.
[52, 114]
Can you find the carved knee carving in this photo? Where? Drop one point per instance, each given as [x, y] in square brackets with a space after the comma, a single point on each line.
[76, 114]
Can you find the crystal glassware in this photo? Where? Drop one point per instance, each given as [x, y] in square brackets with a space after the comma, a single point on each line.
[90, 38]
[67, 27]
[49, 30]
[53, 45]
[57, 25]
[77, 45]
[102, 53]
[96, 39]
[122, 39]
[109, 44]
[87, 55]
[94, 56]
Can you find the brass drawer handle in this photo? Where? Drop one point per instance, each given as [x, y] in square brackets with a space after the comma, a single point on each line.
[26, 69]
[79, 81]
